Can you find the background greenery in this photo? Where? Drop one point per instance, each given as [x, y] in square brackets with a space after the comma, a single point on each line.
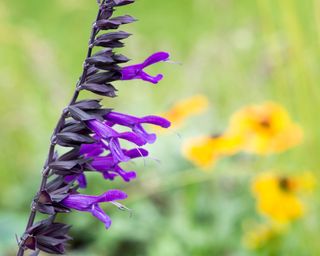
[235, 52]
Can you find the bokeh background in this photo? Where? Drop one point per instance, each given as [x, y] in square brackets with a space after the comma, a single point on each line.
[234, 52]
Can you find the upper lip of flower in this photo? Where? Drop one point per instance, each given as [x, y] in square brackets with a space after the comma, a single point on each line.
[130, 121]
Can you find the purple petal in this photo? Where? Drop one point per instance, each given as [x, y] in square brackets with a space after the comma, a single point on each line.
[116, 151]
[118, 171]
[82, 202]
[128, 120]
[70, 178]
[149, 137]
[131, 72]
[156, 120]
[127, 176]
[136, 71]
[82, 180]
[148, 78]
[113, 195]
[106, 163]
[97, 212]
[90, 150]
[101, 129]
[136, 152]
[132, 137]
[109, 176]
[111, 173]
[155, 58]
[122, 119]
[103, 163]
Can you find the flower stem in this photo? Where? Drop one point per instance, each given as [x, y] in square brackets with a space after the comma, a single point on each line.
[59, 126]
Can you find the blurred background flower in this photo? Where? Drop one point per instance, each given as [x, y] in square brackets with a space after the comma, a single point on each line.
[184, 109]
[265, 128]
[205, 151]
[278, 196]
[250, 60]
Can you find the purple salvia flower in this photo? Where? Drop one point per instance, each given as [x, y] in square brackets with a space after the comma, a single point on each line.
[109, 138]
[110, 168]
[135, 123]
[90, 204]
[136, 71]
[118, 171]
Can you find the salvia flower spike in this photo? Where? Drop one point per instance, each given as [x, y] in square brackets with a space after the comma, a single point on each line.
[91, 137]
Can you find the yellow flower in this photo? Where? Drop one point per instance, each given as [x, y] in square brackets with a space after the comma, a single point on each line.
[185, 109]
[205, 151]
[265, 128]
[258, 235]
[277, 196]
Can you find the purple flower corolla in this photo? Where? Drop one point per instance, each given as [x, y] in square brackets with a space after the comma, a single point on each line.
[90, 204]
[107, 165]
[110, 139]
[90, 150]
[135, 123]
[110, 168]
[136, 71]
[105, 131]
[107, 140]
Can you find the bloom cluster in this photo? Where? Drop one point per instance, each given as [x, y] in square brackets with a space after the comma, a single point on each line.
[260, 129]
[91, 137]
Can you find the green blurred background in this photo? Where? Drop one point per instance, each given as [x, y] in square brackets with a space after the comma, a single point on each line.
[235, 52]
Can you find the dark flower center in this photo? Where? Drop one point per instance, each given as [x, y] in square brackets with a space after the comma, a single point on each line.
[265, 123]
[284, 184]
[216, 135]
